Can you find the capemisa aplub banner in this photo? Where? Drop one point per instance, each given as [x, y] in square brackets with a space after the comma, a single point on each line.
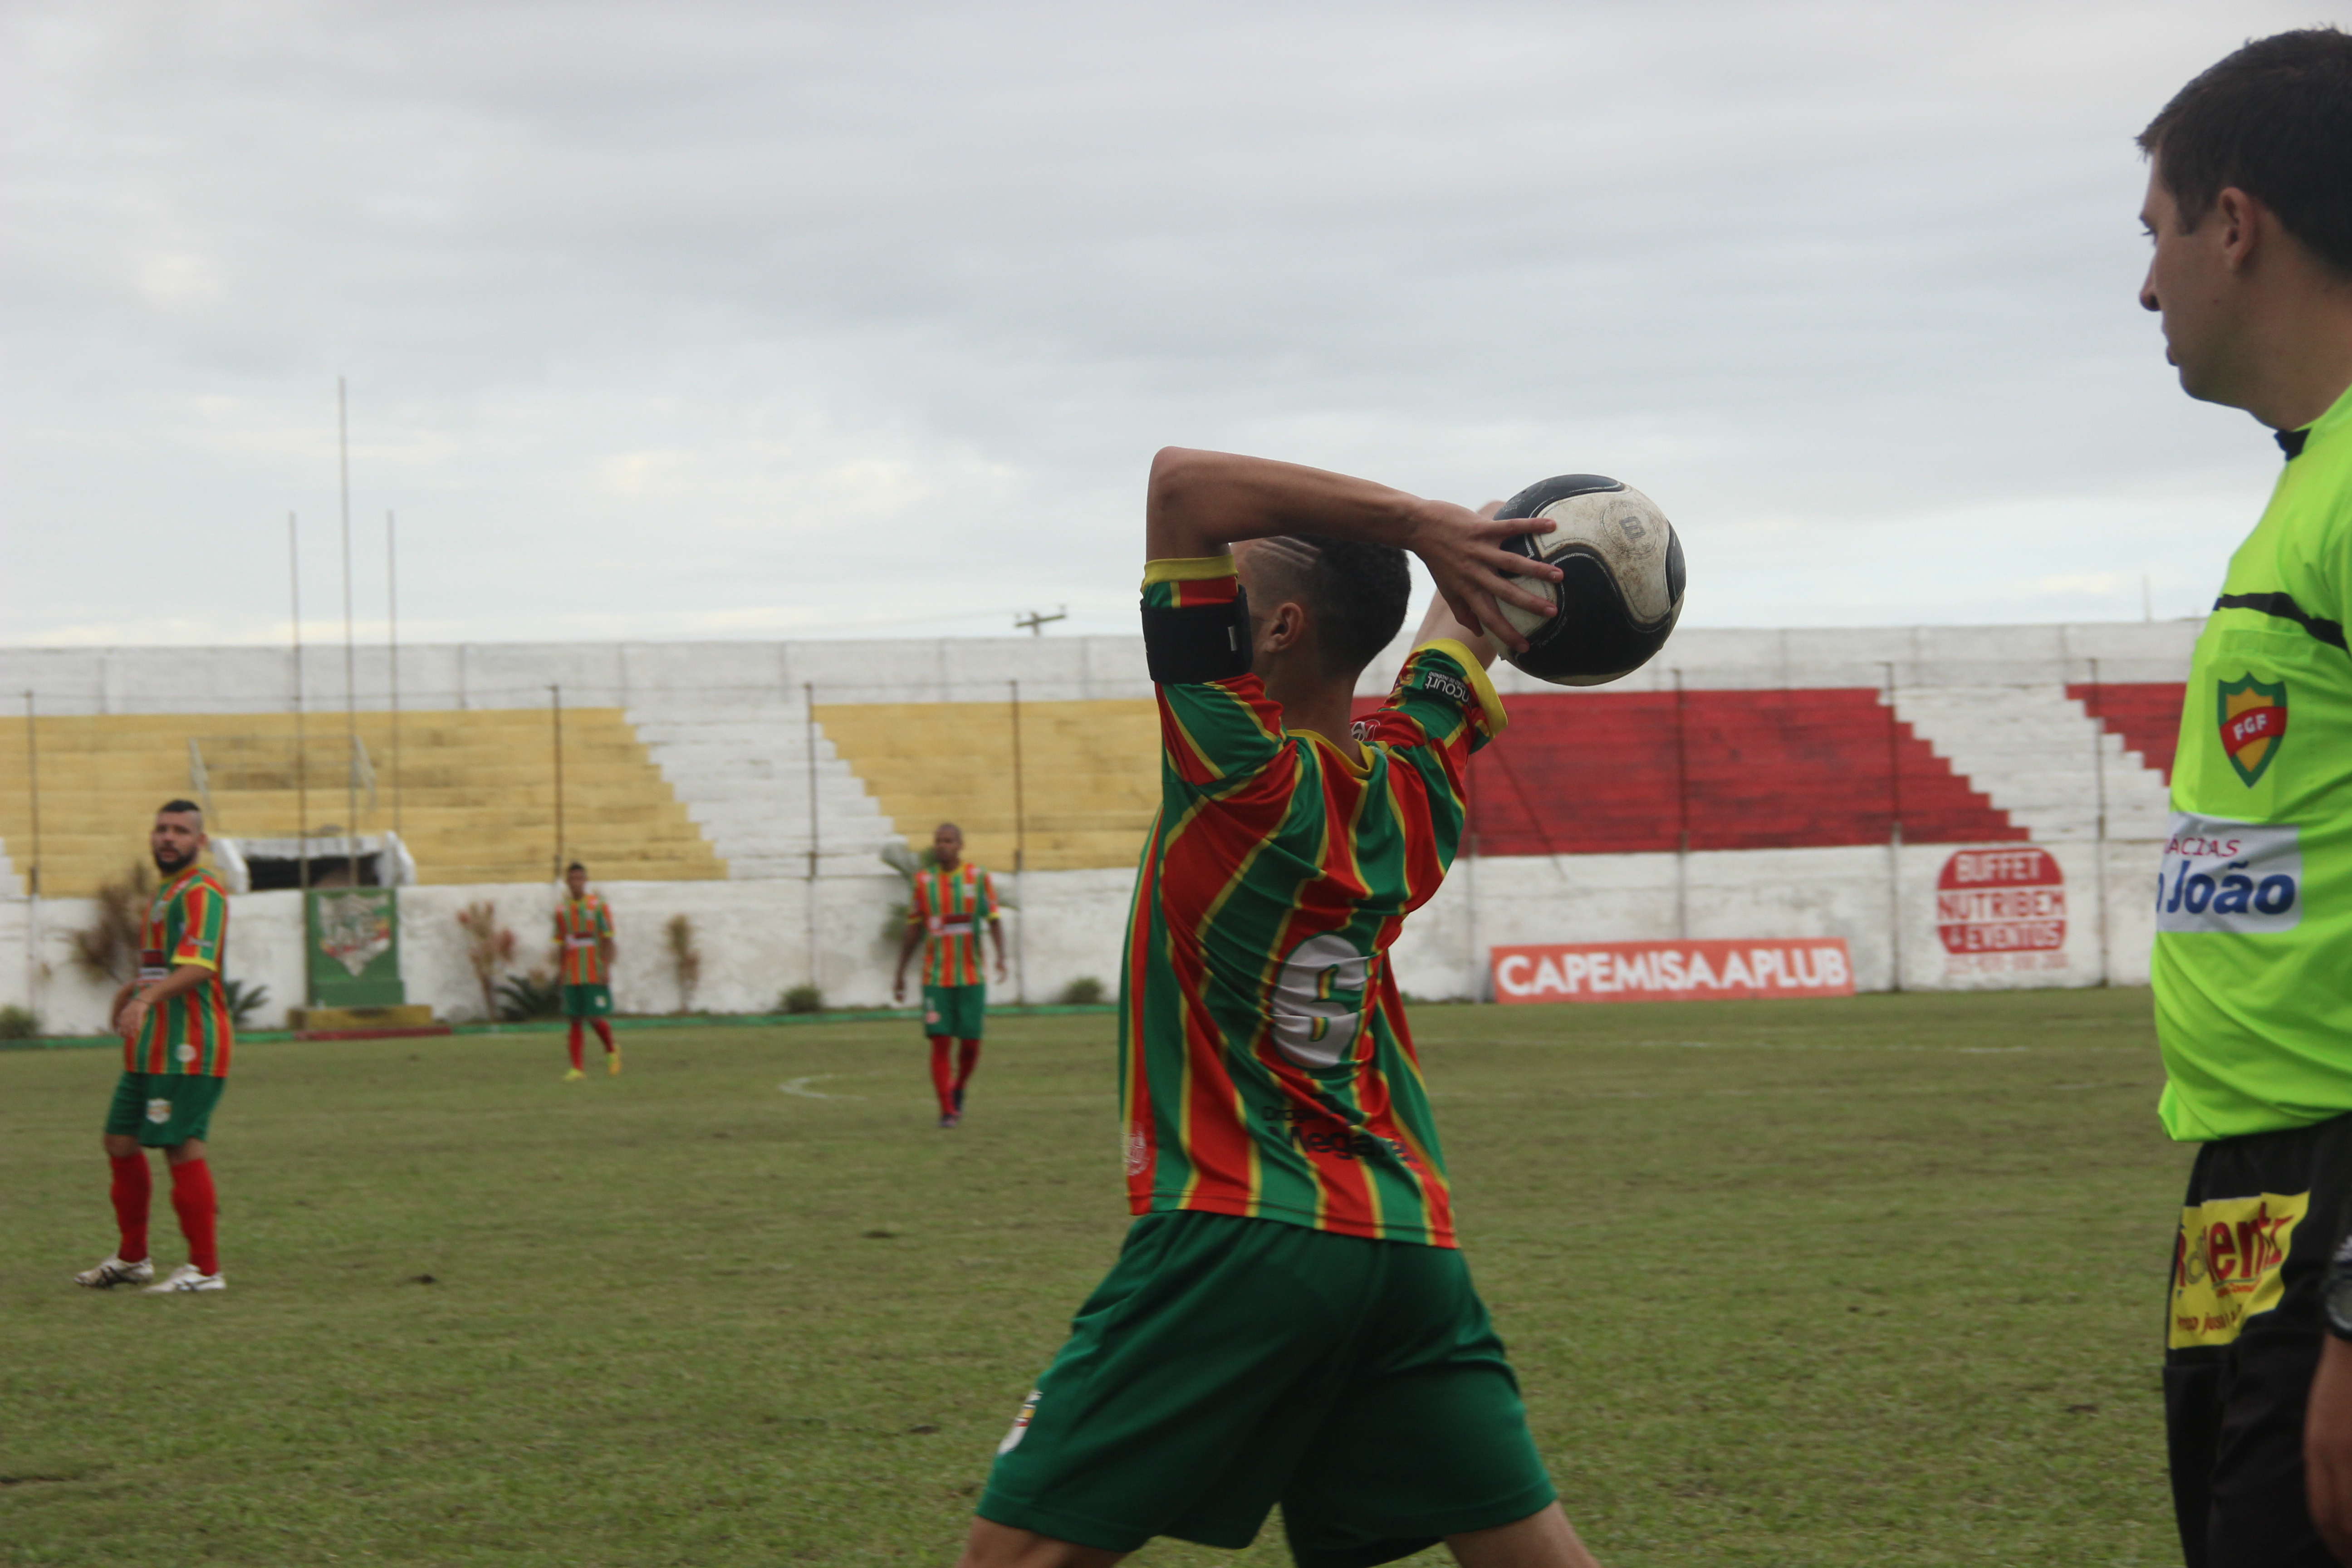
[1672, 970]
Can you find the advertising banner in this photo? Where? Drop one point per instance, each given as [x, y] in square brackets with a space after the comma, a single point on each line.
[1672, 970]
[354, 947]
[2001, 909]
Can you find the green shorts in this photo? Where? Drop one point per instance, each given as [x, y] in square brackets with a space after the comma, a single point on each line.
[587, 1001]
[1226, 1364]
[163, 1110]
[957, 1011]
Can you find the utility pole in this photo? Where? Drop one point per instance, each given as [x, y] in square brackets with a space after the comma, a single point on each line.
[350, 655]
[555, 707]
[1020, 864]
[1035, 621]
[301, 748]
[33, 873]
[1894, 831]
[1682, 818]
[392, 646]
[2099, 838]
[808, 744]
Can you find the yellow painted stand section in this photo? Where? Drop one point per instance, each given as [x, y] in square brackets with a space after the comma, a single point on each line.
[1090, 774]
[478, 792]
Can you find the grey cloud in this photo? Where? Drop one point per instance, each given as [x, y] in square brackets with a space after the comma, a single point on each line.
[668, 319]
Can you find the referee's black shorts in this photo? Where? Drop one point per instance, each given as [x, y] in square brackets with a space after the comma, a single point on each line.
[2262, 1219]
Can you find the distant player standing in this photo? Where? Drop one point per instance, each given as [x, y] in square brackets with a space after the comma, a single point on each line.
[2249, 208]
[1289, 1320]
[584, 929]
[175, 1023]
[951, 899]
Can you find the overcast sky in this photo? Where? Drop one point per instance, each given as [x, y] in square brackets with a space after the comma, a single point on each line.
[702, 319]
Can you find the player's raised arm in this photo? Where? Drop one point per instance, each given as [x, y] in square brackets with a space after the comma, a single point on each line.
[1200, 503]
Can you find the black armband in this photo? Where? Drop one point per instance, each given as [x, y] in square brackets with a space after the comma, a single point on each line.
[1193, 646]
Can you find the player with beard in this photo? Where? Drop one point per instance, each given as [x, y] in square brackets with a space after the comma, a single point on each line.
[175, 1023]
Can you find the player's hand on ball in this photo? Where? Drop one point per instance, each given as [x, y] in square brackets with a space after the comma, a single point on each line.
[1463, 552]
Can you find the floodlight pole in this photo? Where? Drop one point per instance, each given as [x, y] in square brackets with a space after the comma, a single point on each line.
[350, 697]
[1020, 864]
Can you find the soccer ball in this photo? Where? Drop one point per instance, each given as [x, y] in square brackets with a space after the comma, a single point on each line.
[1621, 588]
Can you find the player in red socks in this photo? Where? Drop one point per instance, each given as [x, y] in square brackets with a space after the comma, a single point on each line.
[175, 1023]
[584, 930]
[951, 899]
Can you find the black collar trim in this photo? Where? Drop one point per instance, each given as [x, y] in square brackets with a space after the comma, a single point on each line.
[2291, 442]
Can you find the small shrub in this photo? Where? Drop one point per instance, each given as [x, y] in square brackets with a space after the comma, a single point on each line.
[108, 949]
[19, 1024]
[1085, 991]
[523, 997]
[489, 947]
[803, 999]
[244, 1002]
[685, 959]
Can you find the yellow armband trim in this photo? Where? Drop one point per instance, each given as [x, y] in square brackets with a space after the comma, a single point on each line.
[1497, 720]
[1188, 569]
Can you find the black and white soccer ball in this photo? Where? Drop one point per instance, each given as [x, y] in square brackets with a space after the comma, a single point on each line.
[1621, 588]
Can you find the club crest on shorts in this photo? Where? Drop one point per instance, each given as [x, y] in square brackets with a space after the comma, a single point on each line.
[2252, 715]
[1021, 1423]
[158, 1111]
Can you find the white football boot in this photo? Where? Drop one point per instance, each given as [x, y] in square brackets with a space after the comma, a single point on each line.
[114, 1271]
[185, 1278]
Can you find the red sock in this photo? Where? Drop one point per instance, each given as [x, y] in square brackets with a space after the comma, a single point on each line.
[603, 1033]
[199, 1210]
[966, 1059]
[942, 1074]
[574, 1043]
[132, 1187]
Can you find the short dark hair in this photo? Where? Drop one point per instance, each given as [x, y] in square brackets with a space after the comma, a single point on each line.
[1357, 593]
[575, 865]
[188, 806]
[2274, 120]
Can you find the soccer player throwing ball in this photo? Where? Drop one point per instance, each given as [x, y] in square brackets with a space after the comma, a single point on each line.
[951, 900]
[584, 930]
[1288, 1320]
[2249, 208]
[175, 1023]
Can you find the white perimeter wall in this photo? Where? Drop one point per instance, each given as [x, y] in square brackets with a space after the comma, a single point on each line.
[755, 936]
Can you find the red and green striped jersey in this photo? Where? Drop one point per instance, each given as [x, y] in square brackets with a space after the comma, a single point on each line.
[578, 924]
[950, 908]
[187, 923]
[1265, 1066]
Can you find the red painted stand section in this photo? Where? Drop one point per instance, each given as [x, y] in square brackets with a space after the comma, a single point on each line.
[2147, 714]
[1596, 773]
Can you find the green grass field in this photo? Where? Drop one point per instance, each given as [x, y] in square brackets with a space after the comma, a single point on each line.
[1850, 1282]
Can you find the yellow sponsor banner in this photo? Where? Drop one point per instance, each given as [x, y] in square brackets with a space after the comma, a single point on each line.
[2226, 1263]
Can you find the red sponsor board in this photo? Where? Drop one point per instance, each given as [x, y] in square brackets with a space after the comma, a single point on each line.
[1672, 970]
[2010, 900]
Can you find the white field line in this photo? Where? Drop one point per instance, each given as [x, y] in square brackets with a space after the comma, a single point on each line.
[800, 1085]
